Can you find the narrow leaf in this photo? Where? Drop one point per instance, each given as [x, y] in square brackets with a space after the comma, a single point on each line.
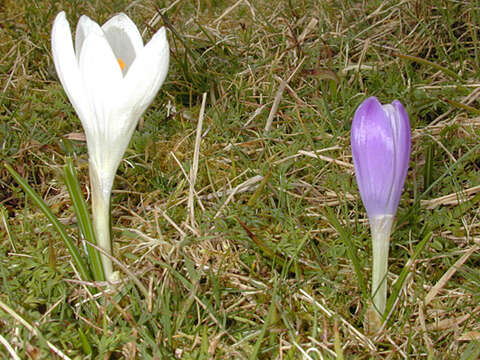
[87, 349]
[428, 169]
[4, 215]
[423, 61]
[266, 324]
[351, 250]
[397, 287]
[82, 269]
[253, 199]
[83, 218]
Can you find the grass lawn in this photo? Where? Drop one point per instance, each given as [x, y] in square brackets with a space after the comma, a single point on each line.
[265, 251]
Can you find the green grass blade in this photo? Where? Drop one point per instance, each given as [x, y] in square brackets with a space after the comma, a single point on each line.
[337, 342]
[87, 349]
[266, 324]
[205, 344]
[420, 60]
[397, 287]
[461, 106]
[450, 171]
[253, 199]
[4, 215]
[351, 250]
[82, 269]
[472, 352]
[83, 218]
[428, 169]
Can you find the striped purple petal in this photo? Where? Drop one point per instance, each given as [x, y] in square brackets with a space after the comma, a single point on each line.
[380, 141]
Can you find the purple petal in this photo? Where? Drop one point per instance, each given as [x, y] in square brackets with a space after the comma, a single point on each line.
[373, 148]
[403, 141]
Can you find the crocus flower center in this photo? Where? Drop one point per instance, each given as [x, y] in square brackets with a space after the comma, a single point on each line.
[121, 63]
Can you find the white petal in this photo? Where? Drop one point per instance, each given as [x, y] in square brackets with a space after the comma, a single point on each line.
[68, 70]
[101, 76]
[147, 74]
[84, 27]
[124, 38]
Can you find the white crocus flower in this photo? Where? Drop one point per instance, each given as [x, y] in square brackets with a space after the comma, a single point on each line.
[110, 78]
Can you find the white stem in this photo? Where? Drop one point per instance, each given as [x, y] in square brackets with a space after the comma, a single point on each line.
[380, 227]
[101, 219]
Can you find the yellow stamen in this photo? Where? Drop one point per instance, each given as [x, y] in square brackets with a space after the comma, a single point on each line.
[121, 63]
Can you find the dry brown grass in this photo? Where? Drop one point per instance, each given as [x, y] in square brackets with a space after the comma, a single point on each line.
[216, 239]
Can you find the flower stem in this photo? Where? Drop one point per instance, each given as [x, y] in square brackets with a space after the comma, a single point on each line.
[380, 227]
[101, 219]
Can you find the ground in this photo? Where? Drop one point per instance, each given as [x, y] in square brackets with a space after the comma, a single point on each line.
[264, 252]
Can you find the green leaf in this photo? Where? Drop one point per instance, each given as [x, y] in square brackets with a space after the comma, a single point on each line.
[420, 60]
[351, 250]
[79, 264]
[428, 169]
[83, 218]
[472, 352]
[87, 349]
[4, 217]
[397, 287]
[265, 326]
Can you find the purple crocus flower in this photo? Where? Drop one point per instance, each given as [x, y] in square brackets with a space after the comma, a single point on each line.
[380, 142]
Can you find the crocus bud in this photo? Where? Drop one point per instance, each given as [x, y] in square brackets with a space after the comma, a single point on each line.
[381, 142]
